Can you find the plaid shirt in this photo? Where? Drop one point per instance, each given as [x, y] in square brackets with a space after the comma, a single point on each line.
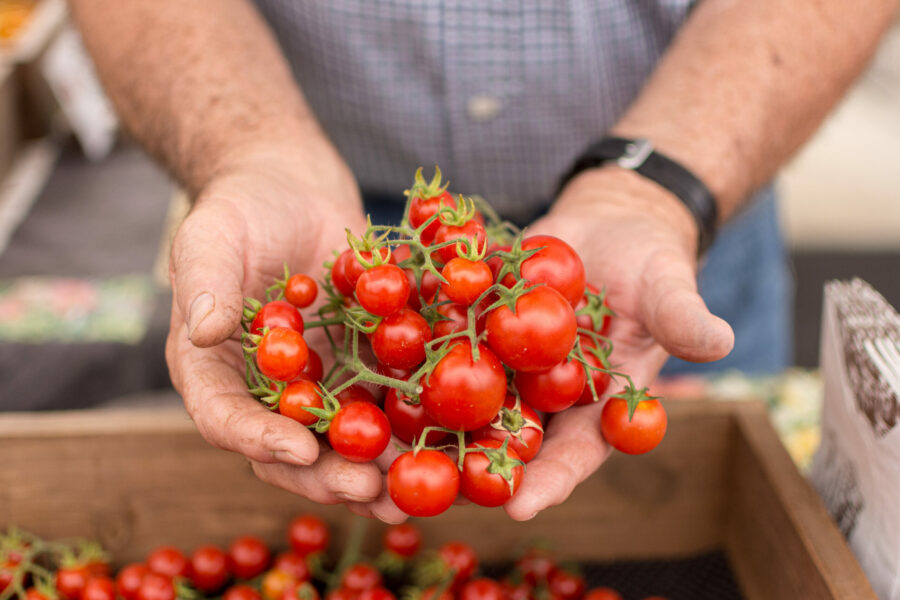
[502, 94]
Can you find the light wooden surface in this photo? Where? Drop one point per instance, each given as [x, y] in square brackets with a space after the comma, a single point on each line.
[134, 480]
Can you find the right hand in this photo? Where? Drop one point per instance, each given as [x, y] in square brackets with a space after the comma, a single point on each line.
[267, 209]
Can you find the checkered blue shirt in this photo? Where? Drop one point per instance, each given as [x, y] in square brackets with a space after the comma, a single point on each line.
[502, 94]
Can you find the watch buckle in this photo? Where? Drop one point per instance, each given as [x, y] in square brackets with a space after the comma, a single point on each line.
[636, 153]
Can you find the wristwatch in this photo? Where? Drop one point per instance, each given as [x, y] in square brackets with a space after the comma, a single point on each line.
[639, 156]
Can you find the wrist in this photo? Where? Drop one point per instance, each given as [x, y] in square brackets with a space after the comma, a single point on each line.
[613, 192]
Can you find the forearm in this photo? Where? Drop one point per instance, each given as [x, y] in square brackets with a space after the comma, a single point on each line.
[745, 83]
[200, 84]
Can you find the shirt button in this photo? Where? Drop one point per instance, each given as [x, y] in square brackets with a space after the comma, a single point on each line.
[482, 107]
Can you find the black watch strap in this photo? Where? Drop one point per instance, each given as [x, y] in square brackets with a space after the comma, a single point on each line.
[638, 155]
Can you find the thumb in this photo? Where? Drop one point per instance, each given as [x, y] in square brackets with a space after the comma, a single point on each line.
[207, 268]
[676, 316]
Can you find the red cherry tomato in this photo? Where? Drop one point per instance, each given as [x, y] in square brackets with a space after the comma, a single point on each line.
[294, 565]
[461, 558]
[555, 389]
[393, 372]
[455, 319]
[408, 420]
[466, 280]
[642, 434]
[169, 561]
[555, 264]
[376, 593]
[70, 581]
[359, 431]
[427, 288]
[602, 593]
[33, 594]
[302, 590]
[297, 397]
[522, 426]
[277, 313]
[347, 270]
[535, 566]
[601, 379]
[129, 580]
[481, 588]
[248, 556]
[483, 487]
[422, 209]
[360, 577]
[241, 592]
[403, 539]
[399, 340]
[99, 588]
[472, 231]
[423, 483]
[462, 393]
[314, 370]
[282, 354]
[308, 534]
[356, 393]
[565, 585]
[301, 290]
[341, 594]
[155, 586]
[383, 290]
[585, 321]
[209, 569]
[517, 590]
[538, 335]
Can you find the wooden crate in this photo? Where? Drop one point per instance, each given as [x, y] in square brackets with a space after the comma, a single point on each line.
[721, 479]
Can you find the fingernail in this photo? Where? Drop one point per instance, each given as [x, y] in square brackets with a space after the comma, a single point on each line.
[201, 308]
[351, 497]
[531, 516]
[287, 456]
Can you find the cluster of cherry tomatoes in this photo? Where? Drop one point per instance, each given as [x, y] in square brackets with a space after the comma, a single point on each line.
[248, 570]
[476, 332]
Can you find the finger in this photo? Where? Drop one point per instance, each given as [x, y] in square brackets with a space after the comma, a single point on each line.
[215, 395]
[572, 449]
[384, 509]
[332, 479]
[207, 270]
[675, 314]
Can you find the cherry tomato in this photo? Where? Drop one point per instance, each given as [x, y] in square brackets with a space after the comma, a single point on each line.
[472, 231]
[314, 369]
[347, 269]
[455, 319]
[383, 290]
[522, 426]
[519, 590]
[481, 588]
[642, 434]
[601, 379]
[466, 280]
[8, 571]
[585, 321]
[399, 340]
[301, 290]
[359, 431]
[241, 592]
[209, 569]
[308, 534]
[360, 577]
[602, 593]
[129, 580]
[33, 594]
[70, 581]
[393, 372]
[461, 558]
[408, 420]
[535, 566]
[565, 585]
[294, 565]
[538, 335]
[403, 539]
[555, 389]
[423, 483]
[555, 264]
[248, 556]
[341, 594]
[422, 209]
[277, 313]
[302, 590]
[276, 583]
[483, 487]
[155, 586]
[430, 593]
[99, 588]
[376, 593]
[282, 354]
[464, 394]
[356, 393]
[428, 287]
[297, 397]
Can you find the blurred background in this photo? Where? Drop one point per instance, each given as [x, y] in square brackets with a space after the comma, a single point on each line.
[86, 218]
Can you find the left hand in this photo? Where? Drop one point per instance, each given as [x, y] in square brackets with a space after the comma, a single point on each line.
[639, 242]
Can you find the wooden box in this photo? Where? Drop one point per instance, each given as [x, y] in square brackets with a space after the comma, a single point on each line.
[720, 480]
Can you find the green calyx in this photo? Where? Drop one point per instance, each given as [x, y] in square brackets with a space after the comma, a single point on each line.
[596, 308]
[501, 463]
[634, 396]
[424, 190]
[513, 258]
